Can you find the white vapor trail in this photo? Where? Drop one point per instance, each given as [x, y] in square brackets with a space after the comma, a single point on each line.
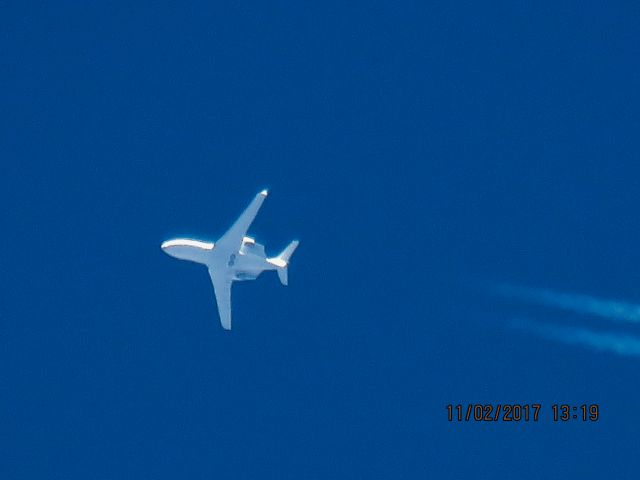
[610, 309]
[620, 343]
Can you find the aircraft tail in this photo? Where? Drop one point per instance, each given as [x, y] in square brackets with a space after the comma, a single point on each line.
[282, 261]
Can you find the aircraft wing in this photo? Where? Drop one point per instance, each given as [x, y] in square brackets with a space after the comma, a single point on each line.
[232, 240]
[222, 289]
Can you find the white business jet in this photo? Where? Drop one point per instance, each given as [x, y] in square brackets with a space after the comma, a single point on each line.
[233, 257]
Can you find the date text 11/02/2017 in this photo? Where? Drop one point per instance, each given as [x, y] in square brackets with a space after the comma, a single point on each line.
[527, 412]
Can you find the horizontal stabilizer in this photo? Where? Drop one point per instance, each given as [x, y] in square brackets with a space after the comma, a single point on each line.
[282, 261]
[287, 252]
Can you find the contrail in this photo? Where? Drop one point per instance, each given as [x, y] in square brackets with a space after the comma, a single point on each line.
[610, 309]
[619, 343]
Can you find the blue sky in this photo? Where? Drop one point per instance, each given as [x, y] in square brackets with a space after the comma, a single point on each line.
[416, 149]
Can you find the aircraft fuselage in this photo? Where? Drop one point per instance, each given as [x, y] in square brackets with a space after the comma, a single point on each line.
[245, 264]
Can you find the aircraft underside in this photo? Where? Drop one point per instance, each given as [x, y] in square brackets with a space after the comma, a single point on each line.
[234, 257]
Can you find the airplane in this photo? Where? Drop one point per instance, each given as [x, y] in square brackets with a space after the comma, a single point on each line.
[234, 257]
